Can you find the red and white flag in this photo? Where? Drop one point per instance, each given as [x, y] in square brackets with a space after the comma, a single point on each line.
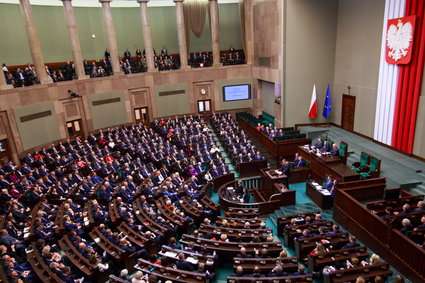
[312, 112]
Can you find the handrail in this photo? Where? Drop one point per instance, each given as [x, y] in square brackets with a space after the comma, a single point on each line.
[399, 250]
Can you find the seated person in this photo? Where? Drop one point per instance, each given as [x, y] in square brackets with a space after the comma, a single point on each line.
[277, 271]
[352, 242]
[239, 272]
[183, 264]
[422, 225]
[256, 272]
[326, 147]
[407, 226]
[319, 143]
[299, 162]
[334, 151]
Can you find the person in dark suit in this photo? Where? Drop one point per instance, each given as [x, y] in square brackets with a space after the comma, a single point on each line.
[319, 143]
[239, 188]
[239, 272]
[330, 184]
[257, 272]
[299, 162]
[406, 226]
[107, 54]
[183, 264]
[334, 151]
[300, 271]
[422, 225]
[352, 242]
[127, 54]
[420, 206]
[258, 156]
[277, 271]
[285, 169]
[242, 253]
[326, 147]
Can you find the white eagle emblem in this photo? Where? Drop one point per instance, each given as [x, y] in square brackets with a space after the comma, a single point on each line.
[398, 40]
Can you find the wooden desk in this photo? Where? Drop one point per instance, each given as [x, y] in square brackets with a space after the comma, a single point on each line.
[252, 168]
[322, 166]
[321, 200]
[285, 149]
[271, 177]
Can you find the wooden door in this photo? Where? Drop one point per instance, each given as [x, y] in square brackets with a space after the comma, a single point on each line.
[5, 155]
[141, 115]
[348, 111]
[74, 128]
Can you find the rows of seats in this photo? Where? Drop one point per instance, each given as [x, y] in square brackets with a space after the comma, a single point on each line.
[102, 173]
[406, 214]
[91, 209]
[330, 253]
[197, 144]
[238, 146]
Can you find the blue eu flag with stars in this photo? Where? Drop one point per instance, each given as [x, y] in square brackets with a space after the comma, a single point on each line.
[328, 104]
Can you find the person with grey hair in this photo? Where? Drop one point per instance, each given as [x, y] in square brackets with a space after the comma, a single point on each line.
[407, 226]
[420, 206]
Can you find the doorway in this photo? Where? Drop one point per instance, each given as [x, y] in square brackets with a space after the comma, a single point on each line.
[5, 155]
[141, 115]
[348, 111]
[74, 128]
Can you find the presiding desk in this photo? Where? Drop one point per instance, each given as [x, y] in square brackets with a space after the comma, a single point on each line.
[322, 166]
[321, 197]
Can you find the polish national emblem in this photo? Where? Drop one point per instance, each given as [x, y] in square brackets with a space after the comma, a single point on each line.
[399, 40]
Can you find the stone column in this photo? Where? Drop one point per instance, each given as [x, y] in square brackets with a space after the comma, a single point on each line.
[110, 33]
[147, 38]
[181, 33]
[35, 47]
[74, 39]
[215, 32]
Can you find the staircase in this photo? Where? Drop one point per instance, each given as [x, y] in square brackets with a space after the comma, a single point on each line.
[223, 152]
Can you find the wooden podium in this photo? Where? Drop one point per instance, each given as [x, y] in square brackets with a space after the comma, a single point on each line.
[273, 189]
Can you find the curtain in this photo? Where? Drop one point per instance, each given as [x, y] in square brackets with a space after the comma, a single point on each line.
[242, 23]
[194, 16]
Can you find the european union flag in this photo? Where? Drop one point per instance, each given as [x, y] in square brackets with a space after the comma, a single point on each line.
[328, 104]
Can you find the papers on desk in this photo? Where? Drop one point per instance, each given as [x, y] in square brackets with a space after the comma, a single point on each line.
[325, 192]
[192, 260]
[171, 254]
[321, 189]
[278, 172]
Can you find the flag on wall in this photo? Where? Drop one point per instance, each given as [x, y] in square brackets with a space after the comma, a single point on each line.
[312, 112]
[328, 104]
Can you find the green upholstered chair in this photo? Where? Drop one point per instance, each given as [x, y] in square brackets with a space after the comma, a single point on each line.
[374, 168]
[363, 164]
[343, 151]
